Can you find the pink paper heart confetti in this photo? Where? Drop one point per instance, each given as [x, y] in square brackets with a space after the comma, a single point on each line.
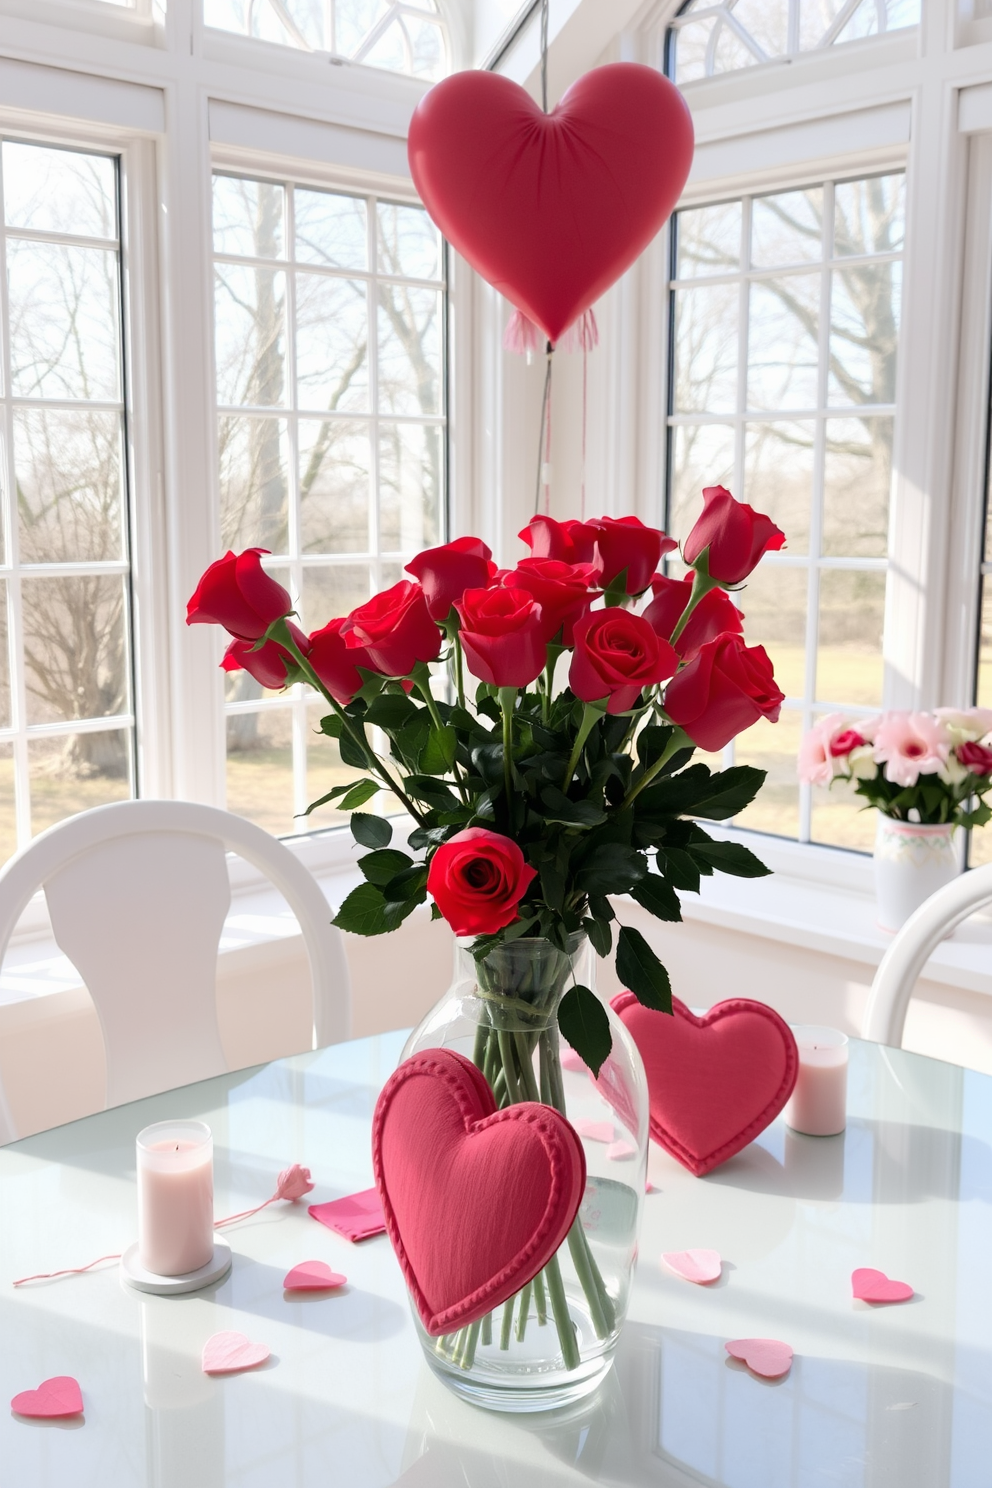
[595, 1131]
[874, 1286]
[58, 1396]
[312, 1276]
[699, 1266]
[227, 1353]
[571, 1061]
[620, 1151]
[765, 1356]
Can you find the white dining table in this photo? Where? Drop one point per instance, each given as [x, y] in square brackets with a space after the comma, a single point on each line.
[877, 1397]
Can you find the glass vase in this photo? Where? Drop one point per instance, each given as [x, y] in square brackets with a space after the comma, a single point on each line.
[554, 1340]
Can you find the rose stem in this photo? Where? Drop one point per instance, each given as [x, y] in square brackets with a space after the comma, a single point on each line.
[701, 585]
[507, 698]
[487, 1330]
[541, 1300]
[459, 675]
[559, 1306]
[509, 1074]
[481, 1049]
[524, 1308]
[591, 713]
[467, 1358]
[679, 740]
[504, 1334]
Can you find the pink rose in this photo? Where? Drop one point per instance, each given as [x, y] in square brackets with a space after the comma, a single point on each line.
[976, 758]
[816, 755]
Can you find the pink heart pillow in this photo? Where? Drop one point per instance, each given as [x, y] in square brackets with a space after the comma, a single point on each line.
[476, 1200]
[714, 1082]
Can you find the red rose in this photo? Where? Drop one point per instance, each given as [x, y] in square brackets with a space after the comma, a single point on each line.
[568, 542]
[625, 543]
[270, 663]
[713, 615]
[849, 739]
[724, 689]
[617, 655]
[502, 635]
[446, 572]
[477, 880]
[395, 628]
[736, 536]
[237, 593]
[977, 758]
[336, 663]
[563, 590]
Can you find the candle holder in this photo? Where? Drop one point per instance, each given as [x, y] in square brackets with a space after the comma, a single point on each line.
[177, 1249]
[817, 1106]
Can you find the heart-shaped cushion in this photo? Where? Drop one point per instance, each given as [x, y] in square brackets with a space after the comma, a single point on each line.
[551, 208]
[476, 1200]
[714, 1082]
[230, 1352]
[58, 1396]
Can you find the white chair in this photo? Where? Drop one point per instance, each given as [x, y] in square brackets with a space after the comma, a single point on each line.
[885, 1015]
[137, 894]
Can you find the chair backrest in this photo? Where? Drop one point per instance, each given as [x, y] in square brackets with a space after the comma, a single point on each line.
[885, 1014]
[138, 893]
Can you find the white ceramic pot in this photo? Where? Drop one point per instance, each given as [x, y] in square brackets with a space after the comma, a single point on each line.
[911, 863]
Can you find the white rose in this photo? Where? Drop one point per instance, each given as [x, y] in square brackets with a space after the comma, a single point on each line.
[953, 772]
[862, 763]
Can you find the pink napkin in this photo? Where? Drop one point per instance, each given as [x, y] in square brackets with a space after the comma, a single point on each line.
[356, 1217]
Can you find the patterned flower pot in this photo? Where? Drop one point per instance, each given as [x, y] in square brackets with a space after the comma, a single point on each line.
[911, 863]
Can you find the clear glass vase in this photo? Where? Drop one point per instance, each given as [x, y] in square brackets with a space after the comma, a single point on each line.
[554, 1341]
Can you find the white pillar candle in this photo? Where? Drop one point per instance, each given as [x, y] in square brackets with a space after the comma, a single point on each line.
[818, 1104]
[175, 1197]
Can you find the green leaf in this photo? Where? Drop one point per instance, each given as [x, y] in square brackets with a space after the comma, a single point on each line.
[358, 794]
[639, 969]
[651, 744]
[585, 1026]
[600, 908]
[331, 725]
[411, 738]
[428, 837]
[570, 813]
[433, 792]
[352, 753]
[438, 754]
[391, 710]
[411, 883]
[344, 791]
[731, 791]
[370, 831]
[366, 912]
[611, 869]
[730, 857]
[656, 895]
[680, 869]
[517, 930]
[380, 867]
[600, 936]
[436, 913]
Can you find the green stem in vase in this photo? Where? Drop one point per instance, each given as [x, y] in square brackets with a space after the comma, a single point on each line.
[507, 1327]
[466, 1354]
[540, 1300]
[524, 1309]
[487, 1330]
[563, 1322]
[509, 1072]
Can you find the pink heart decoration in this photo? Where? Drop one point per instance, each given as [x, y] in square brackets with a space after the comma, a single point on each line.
[700, 1266]
[514, 1180]
[227, 1353]
[764, 1356]
[595, 1131]
[58, 1396]
[875, 1286]
[551, 208]
[714, 1082]
[312, 1276]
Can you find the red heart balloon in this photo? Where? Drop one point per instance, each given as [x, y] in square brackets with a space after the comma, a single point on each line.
[551, 208]
[714, 1082]
[476, 1200]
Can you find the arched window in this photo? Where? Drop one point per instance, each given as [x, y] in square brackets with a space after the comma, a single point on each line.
[407, 36]
[707, 39]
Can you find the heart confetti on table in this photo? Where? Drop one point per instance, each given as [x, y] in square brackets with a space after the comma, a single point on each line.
[699, 1266]
[874, 1286]
[58, 1396]
[620, 1151]
[510, 1181]
[765, 1356]
[595, 1131]
[356, 1217]
[312, 1276]
[227, 1353]
[569, 1060]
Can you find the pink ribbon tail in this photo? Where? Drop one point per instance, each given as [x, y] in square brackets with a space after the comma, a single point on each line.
[69, 1270]
[245, 1213]
[582, 334]
[521, 335]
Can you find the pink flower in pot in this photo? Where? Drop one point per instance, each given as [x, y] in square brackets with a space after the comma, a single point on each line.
[910, 745]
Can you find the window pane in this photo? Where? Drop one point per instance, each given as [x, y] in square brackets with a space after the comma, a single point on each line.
[409, 244]
[254, 483]
[870, 215]
[856, 479]
[691, 44]
[849, 653]
[864, 331]
[409, 350]
[773, 747]
[331, 230]
[335, 486]
[332, 331]
[787, 229]
[5, 719]
[773, 602]
[70, 495]
[410, 476]
[984, 693]
[324, 772]
[75, 648]
[778, 477]
[8, 809]
[706, 349]
[355, 19]
[332, 591]
[248, 217]
[260, 768]
[709, 240]
[703, 456]
[59, 191]
[783, 351]
[64, 321]
[76, 772]
[250, 307]
[767, 21]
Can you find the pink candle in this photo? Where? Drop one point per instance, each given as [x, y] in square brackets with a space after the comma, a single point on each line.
[175, 1197]
[818, 1104]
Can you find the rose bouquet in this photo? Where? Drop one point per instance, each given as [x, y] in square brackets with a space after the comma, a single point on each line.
[540, 737]
[931, 769]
